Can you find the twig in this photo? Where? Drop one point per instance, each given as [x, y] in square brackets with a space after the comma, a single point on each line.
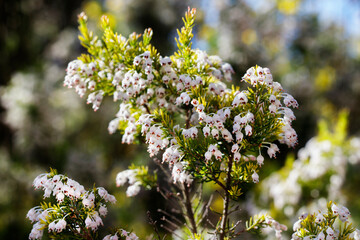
[147, 108]
[171, 216]
[226, 201]
[170, 231]
[153, 223]
[176, 211]
[211, 224]
[219, 194]
[157, 161]
[199, 190]
[188, 117]
[236, 224]
[170, 222]
[234, 210]
[207, 206]
[188, 207]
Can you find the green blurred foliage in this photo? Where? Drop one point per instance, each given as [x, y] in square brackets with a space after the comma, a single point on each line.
[323, 170]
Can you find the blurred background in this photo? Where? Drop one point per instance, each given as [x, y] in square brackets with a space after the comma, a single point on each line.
[312, 47]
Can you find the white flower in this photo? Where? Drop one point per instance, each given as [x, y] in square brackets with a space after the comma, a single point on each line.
[319, 218]
[137, 60]
[37, 231]
[343, 216]
[320, 236]
[226, 135]
[272, 108]
[102, 192]
[60, 197]
[277, 87]
[103, 210]
[113, 125]
[218, 155]
[290, 101]
[356, 234]
[52, 226]
[107, 237]
[248, 130]
[289, 115]
[195, 102]
[60, 225]
[272, 150]
[206, 131]
[272, 99]
[215, 133]
[200, 108]
[303, 216]
[330, 231]
[132, 236]
[297, 225]
[237, 156]
[88, 202]
[208, 156]
[240, 98]
[255, 177]
[122, 177]
[133, 190]
[212, 148]
[115, 237]
[234, 148]
[335, 209]
[250, 117]
[33, 214]
[239, 136]
[294, 236]
[93, 221]
[260, 160]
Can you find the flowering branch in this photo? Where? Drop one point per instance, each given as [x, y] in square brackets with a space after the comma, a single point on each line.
[183, 109]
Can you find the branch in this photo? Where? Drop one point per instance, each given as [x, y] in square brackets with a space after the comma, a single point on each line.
[147, 108]
[225, 214]
[189, 211]
[153, 223]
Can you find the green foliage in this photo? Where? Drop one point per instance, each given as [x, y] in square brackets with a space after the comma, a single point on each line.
[254, 224]
[330, 224]
[70, 211]
[147, 180]
[190, 87]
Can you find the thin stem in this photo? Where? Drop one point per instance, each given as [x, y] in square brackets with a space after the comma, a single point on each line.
[153, 223]
[189, 211]
[186, 190]
[147, 108]
[86, 233]
[225, 214]
[218, 182]
[207, 207]
[170, 216]
[188, 117]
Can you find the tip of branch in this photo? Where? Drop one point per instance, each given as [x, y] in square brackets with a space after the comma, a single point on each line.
[82, 17]
[191, 12]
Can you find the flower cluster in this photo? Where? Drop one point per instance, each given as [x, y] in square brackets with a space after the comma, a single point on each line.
[130, 177]
[325, 158]
[73, 210]
[180, 175]
[147, 82]
[267, 223]
[136, 177]
[182, 108]
[121, 234]
[321, 226]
